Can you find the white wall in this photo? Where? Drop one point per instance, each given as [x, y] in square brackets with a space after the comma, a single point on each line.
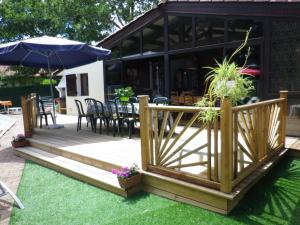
[96, 85]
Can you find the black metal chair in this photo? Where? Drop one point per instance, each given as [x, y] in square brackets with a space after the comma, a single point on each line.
[133, 99]
[100, 114]
[128, 115]
[43, 113]
[114, 117]
[161, 100]
[81, 115]
[89, 103]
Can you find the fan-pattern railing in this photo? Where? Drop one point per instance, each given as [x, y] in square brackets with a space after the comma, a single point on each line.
[188, 152]
[238, 143]
[257, 135]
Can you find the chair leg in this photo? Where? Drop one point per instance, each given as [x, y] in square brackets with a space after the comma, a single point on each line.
[129, 129]
[115, 127]
[107, 128]
[46, 119]
[52, 118]
[41, 120]
[78, 123]
[100, 129]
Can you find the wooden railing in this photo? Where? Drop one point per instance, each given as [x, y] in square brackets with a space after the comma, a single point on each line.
[218, 155]
[29, 113]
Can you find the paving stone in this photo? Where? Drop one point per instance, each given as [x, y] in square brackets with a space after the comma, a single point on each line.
[11, 168]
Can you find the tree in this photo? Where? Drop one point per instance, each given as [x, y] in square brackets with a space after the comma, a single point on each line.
[82, 20]
[126, 10]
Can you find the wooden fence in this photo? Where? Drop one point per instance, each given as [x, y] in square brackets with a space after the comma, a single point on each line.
[218, 155]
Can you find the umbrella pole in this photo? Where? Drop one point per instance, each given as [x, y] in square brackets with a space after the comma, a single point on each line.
[52, 94]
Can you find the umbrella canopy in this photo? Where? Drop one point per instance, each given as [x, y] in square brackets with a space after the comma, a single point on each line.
[50, 52]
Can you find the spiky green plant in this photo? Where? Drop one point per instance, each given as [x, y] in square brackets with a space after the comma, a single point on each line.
[225, 80]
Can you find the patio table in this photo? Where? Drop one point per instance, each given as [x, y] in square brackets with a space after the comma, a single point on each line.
[92, 110]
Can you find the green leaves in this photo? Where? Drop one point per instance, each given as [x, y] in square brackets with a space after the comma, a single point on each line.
[225, 80]
[82, 20]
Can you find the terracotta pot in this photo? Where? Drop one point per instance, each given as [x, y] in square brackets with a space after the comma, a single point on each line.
[130, 182]
[18, 144]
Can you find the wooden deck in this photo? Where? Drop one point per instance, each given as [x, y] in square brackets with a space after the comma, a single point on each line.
[90, 156]
[118, 151]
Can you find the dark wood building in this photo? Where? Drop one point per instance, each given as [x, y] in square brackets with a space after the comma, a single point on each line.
[166, 48]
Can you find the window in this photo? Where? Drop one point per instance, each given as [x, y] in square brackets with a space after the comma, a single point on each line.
[237, 29]
[84, 84]
[71, 85]
[209, 31]
[180, 32]
[153, 37]
[131, 45]
[285, 56]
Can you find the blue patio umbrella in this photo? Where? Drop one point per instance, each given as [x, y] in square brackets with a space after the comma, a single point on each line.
[51, 53]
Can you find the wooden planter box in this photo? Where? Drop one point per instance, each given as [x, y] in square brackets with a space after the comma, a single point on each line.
[130, 182]
[18, 144]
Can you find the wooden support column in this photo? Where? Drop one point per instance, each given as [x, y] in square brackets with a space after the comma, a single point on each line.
[226, 146]
[144, 130]
[26, 121]
[283, 94]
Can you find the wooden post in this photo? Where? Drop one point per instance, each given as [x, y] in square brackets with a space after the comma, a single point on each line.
[226, 146]
[283, 94]
[144, 130]
[25, 117]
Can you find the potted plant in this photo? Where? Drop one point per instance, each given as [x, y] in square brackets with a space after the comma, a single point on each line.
[19, 141]
[128, 177]
[226, 79]
[124, 93]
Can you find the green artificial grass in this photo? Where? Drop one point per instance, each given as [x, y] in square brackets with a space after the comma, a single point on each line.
[52, 198]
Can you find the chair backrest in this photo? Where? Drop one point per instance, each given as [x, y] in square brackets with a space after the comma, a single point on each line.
[127, 110]
[99, 108]
[41, 106]
[112, 108]
[89, 102]
[79, 107]
[133, 100]
[161, 100]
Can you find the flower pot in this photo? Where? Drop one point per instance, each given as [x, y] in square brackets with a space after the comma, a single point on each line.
[18, 144]
[124, 99]
[130, 182]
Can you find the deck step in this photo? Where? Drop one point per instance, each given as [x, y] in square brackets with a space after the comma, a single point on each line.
[89, 174]
[80, 157]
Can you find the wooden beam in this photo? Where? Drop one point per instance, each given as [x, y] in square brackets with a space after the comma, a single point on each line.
[226, 146]
[25, 117]
[144, 130]
[283, 95]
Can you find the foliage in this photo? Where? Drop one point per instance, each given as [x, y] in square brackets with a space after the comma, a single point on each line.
[126, 172]
[82, 20]
[225, 80]
[124, 92]
[19, 137]
[19, 80]
[86, 20]
[126, 10]
[208, 114]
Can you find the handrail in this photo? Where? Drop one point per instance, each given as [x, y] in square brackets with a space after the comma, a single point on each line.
[181, 108]
[258, 104]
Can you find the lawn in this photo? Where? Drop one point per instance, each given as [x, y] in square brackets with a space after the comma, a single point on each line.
[52, 198]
